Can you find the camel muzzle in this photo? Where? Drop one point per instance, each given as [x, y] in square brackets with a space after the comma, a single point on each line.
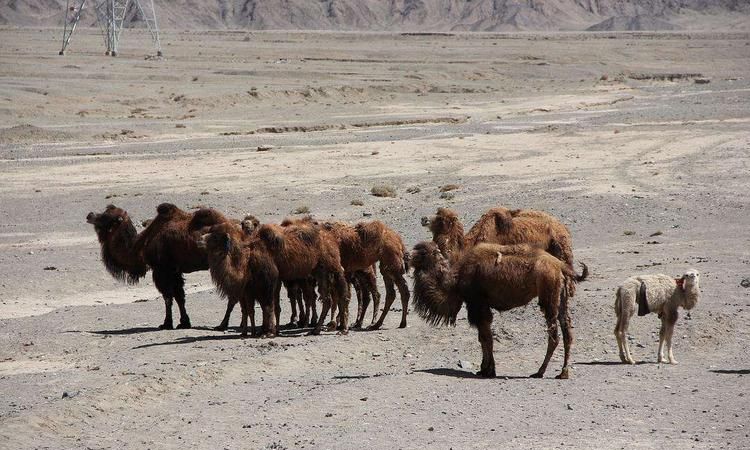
[426, 221]
[91, 218]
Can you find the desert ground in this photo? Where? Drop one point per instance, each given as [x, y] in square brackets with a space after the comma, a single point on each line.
[638, 142]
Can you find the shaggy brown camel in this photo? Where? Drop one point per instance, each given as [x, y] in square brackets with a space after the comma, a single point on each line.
[165, 246]
[492, 276]
[503, 226]
[243, 274]
[365, 244]
[303, 251]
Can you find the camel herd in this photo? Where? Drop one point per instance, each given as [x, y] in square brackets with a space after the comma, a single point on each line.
[505, 260]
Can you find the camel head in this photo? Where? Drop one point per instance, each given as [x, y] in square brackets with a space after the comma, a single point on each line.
[425, 256]
[112, 220]
[249, 224]
[217, 241]
[443, 222]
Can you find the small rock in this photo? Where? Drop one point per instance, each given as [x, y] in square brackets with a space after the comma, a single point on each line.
[264, 148]
[363, 399]
[50, 268]
[745, 283]
[702, 81]
[464, 364]
[431, 429]
[375, 152]
[366, 214]
[656, 233]
[70, 394]
[413, 190]
[329, 414]
[569, 407]
[628, 232]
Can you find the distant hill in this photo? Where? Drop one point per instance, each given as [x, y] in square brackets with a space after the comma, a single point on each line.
[415, 15]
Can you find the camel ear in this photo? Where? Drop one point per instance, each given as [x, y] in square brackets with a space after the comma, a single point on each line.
[503, 221]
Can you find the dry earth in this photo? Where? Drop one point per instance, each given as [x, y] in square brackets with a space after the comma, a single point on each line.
[612, 133]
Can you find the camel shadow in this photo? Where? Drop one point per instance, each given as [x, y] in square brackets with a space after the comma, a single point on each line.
[126, 331]
[192, 339]
[610, 363]
[464, 374]
[732, 371]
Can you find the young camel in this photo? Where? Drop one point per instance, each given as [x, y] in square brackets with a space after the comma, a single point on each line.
[363, 245]
[165, 246]
[492, 276]
[660, 294]
[503, 226]
[242, 274]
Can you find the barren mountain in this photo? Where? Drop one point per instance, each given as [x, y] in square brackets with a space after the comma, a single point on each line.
[415, 15]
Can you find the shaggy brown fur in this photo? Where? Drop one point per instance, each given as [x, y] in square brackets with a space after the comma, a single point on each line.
[303, 251]
[243, 274]
[491, 276]
[165, 245]
[365, 244]
[503, 226]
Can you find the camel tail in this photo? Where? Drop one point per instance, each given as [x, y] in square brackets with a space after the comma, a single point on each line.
[584, 273]
[433, 304]
[407, 258]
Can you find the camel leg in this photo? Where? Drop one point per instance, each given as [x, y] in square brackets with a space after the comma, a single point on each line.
[390, 296]
[621, 333]
[341, 289]
[291, 292]
[331, 326]
[563, 316]
[325, 297]
[362, 301]
[670, 332]
[373, 288]
[251, 313]
[269, 319]
[225, 322]
[243, 322]
[550, 314]
[484, 327]
[303, 318]
[310, 303]
[403, 292]
[180, 299]
[668, 320]
[165, 287]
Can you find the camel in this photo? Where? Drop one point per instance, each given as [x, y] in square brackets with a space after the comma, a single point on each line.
[503, 226]
[302, 251]
[243, 274]
[492, 276]
[661, 294]
[363, 245]
[165, 246]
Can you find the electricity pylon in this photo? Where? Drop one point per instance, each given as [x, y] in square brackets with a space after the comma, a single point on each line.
[110, 15]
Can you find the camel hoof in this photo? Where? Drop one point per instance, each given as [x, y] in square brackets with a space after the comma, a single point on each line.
[221, 328]
[487, 373]
[536, 375]
[373, 327]
[268, 335]
[563, 375]
[342, 333]
[166, 326]
[331, 326]
[357, 325]
[672, 361]
[402, 325]
[184, 326]
[315, 332]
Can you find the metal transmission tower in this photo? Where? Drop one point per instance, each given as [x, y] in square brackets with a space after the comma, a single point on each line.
[110, 15]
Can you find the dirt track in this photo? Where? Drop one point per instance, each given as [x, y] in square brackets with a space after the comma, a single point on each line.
[517, 120]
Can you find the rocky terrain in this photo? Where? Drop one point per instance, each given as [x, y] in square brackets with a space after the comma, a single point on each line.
[640, 143]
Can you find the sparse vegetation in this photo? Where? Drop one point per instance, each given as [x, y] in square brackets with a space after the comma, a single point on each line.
[302, 209]
[449, 187]
[357, 202]
[383, 190]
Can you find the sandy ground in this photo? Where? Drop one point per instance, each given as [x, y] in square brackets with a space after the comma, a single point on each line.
[583, 126]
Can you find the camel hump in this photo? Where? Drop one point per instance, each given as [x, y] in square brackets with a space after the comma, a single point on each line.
[166, 209]
[370, 231]
[205, 217]
[503, 219]
[308, 235]
[272, 237]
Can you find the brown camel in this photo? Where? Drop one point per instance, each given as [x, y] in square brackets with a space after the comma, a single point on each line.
[362, 246]
[302, 251]
[243, 274]
[492, 276]
[503, 226]
[166, 246]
